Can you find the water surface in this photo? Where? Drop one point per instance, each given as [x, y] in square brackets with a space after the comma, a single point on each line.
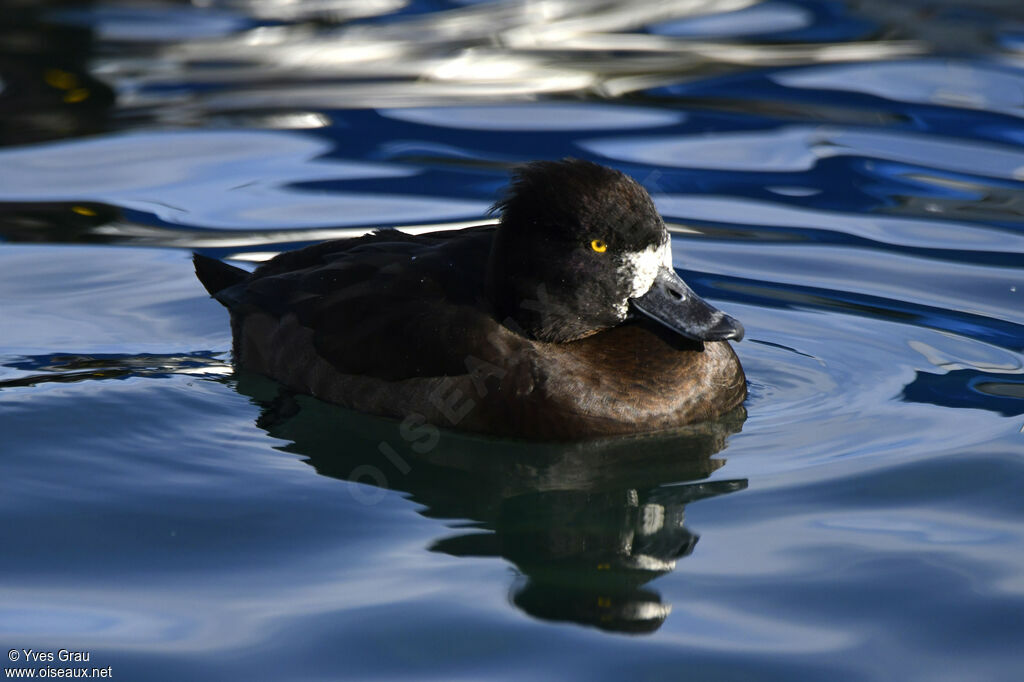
[845, 178]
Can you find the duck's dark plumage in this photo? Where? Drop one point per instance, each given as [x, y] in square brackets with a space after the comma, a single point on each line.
[499, 329]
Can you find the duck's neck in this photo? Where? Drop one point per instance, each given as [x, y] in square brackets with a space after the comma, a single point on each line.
[521, 300]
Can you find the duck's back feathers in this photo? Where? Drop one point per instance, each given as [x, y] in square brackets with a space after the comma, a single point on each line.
[387, 305]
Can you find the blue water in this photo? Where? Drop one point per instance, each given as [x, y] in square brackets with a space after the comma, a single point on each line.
[845, 178]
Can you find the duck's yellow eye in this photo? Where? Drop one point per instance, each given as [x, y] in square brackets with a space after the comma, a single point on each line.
[599, 246]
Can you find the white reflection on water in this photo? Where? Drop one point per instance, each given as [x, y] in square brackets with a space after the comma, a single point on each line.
[219, 611]
[322, 10]
[950, 83]
[156, 23]
[539, 117]
[139, 234]
[911, 232]
[140, 162]
[950, 352]
[707, 624]
[764, 18]
[919, 529]
[514, 49]
[338, 208]
[980, 290]
[218, 179]
[23, 617]
[55, 317]
[798, 148]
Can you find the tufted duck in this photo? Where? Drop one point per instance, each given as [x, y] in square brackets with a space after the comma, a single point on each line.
[564, 321]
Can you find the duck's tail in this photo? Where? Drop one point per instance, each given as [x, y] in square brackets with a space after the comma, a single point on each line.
[217, 275]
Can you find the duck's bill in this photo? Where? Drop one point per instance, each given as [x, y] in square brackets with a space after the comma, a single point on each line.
[673, 304]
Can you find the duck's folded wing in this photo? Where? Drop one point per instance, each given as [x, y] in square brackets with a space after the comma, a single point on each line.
[389, 308]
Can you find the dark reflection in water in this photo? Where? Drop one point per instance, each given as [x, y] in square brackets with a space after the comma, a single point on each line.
[1001, 393]
[54, 221]
[66, 368]
[585, 556]
[587, 525]
[47, 91]
[90, 222]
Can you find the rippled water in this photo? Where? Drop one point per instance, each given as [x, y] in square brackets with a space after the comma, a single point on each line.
[845, 178]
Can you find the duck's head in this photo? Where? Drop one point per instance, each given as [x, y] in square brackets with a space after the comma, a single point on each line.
[581, 248]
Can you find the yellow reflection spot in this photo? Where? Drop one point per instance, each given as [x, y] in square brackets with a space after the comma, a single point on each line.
[76, 95]
[60, 79]
[83, 210]
[599, 246]
[603, 567]
[604, 602]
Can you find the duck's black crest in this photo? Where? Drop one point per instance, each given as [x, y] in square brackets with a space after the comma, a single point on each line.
[569, 195]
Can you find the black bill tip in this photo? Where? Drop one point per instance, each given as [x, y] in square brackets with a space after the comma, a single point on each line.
[672, 303]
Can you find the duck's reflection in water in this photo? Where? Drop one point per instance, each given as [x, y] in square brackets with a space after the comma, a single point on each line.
[587, 525]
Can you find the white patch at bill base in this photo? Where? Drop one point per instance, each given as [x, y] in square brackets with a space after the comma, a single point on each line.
[640, 269]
